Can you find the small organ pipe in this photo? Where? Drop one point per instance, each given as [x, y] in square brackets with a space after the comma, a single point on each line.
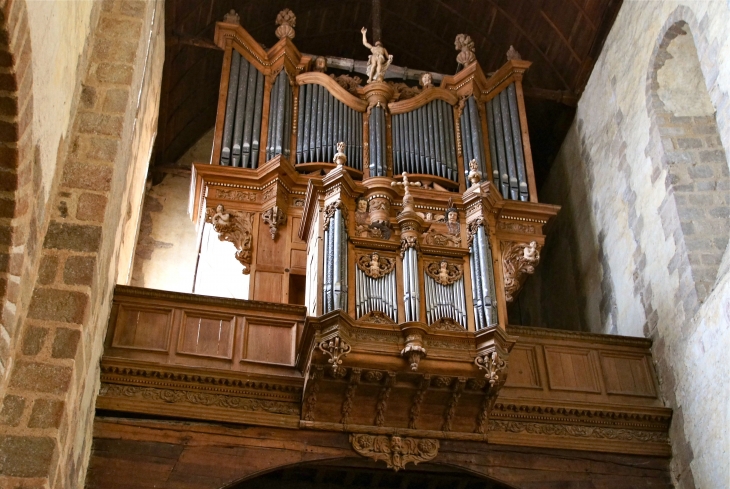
[492, 144]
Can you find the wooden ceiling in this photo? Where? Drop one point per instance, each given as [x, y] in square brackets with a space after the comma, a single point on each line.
[561, 37]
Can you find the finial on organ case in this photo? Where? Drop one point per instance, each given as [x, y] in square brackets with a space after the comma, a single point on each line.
[286, 20]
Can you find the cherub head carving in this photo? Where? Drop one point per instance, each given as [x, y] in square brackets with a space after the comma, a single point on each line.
[426, 80]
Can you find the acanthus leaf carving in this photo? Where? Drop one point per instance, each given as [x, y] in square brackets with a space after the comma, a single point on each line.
[493, 365]
[518, 260]
[374, 265]
[349, 83]
[375, 317]
[395, 451]
[554, 429]
[447, 324]
[407, 242]
[274, 218]
[472, 229]
[235, 227]
[337, 349]
[444, 273]
[330, 210]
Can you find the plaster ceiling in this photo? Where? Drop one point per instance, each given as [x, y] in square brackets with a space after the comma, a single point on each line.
[561, 37]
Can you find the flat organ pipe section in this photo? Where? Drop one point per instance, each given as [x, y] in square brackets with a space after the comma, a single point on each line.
[280, 117]
[244, 106]
[509, 174]
[423, 141]
[322, 122]
[375, 294]
[445, 301]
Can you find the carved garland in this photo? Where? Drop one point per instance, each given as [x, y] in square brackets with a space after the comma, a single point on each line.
[234, 227]
[274, 218]
[448, 275]
[380, 267]
[395, 451]
[518, 261]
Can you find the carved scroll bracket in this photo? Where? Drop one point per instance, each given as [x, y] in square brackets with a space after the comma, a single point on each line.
[274, 218]
[493, 365]
[395, 451]
[337, 349]
[518, 261]
[235, 227]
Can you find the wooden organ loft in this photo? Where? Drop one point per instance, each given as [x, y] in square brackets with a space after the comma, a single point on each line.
[381, 270]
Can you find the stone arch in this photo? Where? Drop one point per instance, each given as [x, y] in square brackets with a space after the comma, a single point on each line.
[18, 187]
[687, 144]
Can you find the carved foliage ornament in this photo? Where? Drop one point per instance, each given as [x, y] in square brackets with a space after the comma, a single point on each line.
[337, 349]
[395, 451]
[444, 273]
[407, 242]
[376, 317]
[329, 212]
[465, 45]
[494, 365]
[349, 83]
[375, 266]
[235, 227]
[472, 229]
[274, 218]
[518, 260]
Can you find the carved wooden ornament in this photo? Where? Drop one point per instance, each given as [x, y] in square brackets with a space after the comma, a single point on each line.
[234, 227]
[395, 451]
[329, 213]
[374, 265]
[493, 365]
[274, 218]
[444, 273]
[407, 242]
[518, 260]
[336, 349]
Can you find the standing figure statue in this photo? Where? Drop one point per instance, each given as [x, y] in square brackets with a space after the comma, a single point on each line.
[378, 61]
[340, 157]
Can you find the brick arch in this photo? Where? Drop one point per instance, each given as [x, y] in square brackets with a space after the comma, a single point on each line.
[689, 150]
[18, 187]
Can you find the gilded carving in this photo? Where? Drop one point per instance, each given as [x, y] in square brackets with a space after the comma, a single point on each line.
[274, 218]
[337, 349]
[235, 227]
[374, 265]
[518, 260]
[395, 451]
[179, 396]
[235, 195]
[444, 273]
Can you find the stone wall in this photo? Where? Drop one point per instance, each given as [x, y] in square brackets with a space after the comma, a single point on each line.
[52, 370]
[645, 207]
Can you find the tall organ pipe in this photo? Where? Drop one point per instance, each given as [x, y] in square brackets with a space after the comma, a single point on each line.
[501, 155]
[230, 108]
[509, 145]
[514, 116]
[492, 144]
[258, 113]
[248, 126]
[243, 80]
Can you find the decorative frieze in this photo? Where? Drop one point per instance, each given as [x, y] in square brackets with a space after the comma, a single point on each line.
[395, 451]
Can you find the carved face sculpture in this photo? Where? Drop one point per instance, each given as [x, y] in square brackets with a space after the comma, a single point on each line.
[375, 264]
[341, 147]
[219, 209]
[320, 64]
[426, 80]
[362, 205]
[473, 165]
[453, 216]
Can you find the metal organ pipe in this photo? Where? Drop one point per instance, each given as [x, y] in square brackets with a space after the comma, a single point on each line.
[230, 108]
[492, 145]
[517, 139]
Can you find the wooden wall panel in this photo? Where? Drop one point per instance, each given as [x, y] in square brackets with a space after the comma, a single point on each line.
[627, 374]
[271, 252]
[268, 286]
[269, 341]
[143, 328]
[299, 259]
[207, 335]
[523, 371]
[571, 369]
[296, 222]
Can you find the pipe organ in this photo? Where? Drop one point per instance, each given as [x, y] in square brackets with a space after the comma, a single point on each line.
[391, 211]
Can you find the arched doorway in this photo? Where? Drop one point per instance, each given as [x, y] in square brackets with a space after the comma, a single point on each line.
[358, 473]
